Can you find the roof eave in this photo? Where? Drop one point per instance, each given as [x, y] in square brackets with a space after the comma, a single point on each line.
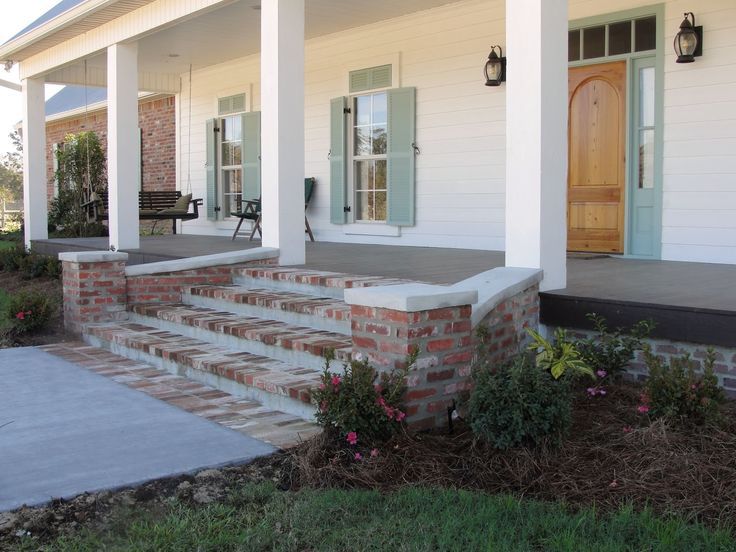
[10, 50]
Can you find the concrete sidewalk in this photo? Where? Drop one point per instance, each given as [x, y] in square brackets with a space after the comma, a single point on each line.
[70, 431]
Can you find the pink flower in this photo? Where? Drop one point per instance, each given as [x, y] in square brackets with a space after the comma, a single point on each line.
[400, 415]
[321, 386]
[378, 388]
[336, 380]
[21, 315]
[374, 453]
[352, 438]
[643, 409]
[358, 457]
[380, 401]
[591, 391]
[628, 429]
[602, 392]
[29, 313]
[601, 373]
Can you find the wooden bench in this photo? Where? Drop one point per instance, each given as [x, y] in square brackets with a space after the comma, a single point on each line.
[154, 205]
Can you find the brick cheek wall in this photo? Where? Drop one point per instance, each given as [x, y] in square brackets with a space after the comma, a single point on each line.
[166, 288]
[443, 340]
[157, 120]
[506, 325]
[446, 342]
[93, 292]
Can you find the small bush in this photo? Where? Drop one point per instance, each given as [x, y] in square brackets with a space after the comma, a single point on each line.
[30, 265]
[29, 312]
[559, 357]
[359, 406]
[519, 403]
[12, 259]
[613, 350]
[676, 391]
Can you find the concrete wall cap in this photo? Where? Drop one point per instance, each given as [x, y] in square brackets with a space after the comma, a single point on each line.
[204, 261]
[410, 297]
[92, 257]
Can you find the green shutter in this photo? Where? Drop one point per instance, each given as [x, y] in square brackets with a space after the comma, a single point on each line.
[338, 165]
[401, 162]
[211, 166]
[252, 155]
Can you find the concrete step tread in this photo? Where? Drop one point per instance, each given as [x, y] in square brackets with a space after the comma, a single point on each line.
[269, 375]
[269, 332]
[324, 307]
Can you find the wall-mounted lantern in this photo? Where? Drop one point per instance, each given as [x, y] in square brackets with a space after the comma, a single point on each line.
[495, 69]
[689, 40]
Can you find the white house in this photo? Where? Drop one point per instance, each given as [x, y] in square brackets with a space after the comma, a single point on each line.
[598, 140]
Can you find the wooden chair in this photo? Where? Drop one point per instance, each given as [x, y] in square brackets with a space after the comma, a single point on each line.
[252, 211]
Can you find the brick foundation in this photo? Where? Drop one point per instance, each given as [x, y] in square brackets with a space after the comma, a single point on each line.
[444, 339]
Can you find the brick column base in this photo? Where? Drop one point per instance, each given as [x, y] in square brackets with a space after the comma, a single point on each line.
[94, 288]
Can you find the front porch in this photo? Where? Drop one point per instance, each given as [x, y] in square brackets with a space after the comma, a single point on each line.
[691, 302]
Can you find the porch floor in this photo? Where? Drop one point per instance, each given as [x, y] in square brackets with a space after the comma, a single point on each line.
[690, 301]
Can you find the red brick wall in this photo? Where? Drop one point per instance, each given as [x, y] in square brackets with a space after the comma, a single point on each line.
[157, 120]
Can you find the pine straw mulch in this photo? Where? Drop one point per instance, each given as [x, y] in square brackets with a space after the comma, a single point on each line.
[613, 457]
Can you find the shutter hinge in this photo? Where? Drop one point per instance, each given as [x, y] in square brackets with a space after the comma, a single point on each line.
[217, 209]
[346, 110]
[217, 129]
[347, 209]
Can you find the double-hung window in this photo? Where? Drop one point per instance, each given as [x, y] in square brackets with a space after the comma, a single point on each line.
[372, 135]
[231, 163]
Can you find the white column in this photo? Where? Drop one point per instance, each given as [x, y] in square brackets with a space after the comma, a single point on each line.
[282, 128]
[35, 208]
[536, 137]
[122, 145]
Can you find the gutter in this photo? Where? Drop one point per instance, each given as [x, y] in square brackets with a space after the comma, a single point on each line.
[61, 21]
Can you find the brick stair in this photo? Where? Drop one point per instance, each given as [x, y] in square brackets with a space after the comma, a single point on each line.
[262, 338]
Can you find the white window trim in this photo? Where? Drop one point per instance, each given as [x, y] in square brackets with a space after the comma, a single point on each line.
[372, 229]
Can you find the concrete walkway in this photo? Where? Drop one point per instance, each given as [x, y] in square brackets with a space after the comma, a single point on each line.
[70, 431]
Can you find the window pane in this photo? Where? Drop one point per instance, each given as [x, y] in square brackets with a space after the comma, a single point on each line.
[646, 159]
[231, 129]
[232, 188]
[363, 175]
[380, 108]
[231, 154]
[363, 110]
[573, 45]
[646, 96]
[594, 42]
[380, 206]
[362, 139]
[380, 137]
[364, 206]
[619, 38]
[645, 35]
[380, 175]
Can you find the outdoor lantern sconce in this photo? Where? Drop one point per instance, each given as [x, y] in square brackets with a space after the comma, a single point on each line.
[495, 69]
[689, 41]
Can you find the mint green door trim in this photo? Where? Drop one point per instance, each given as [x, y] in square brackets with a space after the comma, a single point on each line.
[634, 59]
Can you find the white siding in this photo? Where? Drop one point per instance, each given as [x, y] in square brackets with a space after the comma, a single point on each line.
[460, 124]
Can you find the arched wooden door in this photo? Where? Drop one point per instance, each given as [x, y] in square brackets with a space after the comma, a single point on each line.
[597, 158]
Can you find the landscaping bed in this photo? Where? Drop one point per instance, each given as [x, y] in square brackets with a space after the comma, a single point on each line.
[12, 283]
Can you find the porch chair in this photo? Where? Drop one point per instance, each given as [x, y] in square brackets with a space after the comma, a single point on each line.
[252, 211]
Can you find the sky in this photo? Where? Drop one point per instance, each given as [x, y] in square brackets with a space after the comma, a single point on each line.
[11, 22]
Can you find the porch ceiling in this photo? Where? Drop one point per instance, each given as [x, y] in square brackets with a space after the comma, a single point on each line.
[233, 31]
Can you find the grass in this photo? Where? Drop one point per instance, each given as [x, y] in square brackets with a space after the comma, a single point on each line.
[259, 517]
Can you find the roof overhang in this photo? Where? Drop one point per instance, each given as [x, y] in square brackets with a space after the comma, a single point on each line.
[76, 20]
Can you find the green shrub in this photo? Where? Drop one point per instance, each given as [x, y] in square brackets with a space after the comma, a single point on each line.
[558, 357]
[613, 350]
[519, 403]
[676, 391]
[359, 406]
[29, 311]
[12, 259]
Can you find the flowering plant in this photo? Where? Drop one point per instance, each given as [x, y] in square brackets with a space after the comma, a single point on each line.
[358, 406]
[28, 312]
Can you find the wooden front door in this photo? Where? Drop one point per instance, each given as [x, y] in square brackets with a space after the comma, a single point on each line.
[597, 158]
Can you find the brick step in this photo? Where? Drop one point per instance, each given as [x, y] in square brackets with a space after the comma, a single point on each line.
[321, 313]
[308, 282]
[275, 384]
[296, 345]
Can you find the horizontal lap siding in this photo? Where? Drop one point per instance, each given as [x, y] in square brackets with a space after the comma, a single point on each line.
[460, 122]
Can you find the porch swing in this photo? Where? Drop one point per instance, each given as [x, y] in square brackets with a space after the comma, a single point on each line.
[156, 205]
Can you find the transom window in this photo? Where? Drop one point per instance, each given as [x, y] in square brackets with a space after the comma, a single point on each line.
[612, 39]
[370, 137]
[231, 162]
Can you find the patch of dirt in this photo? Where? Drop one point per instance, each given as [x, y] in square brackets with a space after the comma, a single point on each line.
[614, 456]
[93, 510]
[11, 283]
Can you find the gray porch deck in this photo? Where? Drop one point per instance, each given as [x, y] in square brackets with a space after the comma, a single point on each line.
[690, 301]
